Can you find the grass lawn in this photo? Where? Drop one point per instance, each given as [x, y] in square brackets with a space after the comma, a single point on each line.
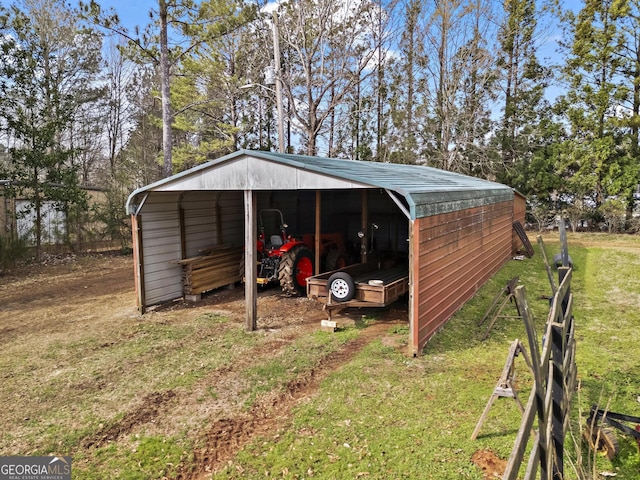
[138, 399]
[388, 416]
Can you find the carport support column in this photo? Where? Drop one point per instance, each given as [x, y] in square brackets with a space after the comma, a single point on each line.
[250, 261]
[317, 236]
[414, 286]
[364, 223]
[138, 261]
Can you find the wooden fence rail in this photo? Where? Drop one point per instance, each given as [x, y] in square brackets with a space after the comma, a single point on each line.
[555, 373]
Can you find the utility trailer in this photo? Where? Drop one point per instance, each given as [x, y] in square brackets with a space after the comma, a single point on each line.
[372, 284]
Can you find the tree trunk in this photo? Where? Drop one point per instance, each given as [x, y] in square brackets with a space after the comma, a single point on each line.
[37, 205]
[636, 104]
[167, 169]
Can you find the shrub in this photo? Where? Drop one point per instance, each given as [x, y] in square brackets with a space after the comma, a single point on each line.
[614, 211]
[11, 251]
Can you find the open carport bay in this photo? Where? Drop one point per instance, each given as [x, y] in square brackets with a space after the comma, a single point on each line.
[343, 212]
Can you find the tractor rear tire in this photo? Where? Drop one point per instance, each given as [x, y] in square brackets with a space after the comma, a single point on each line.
[295, 267]
[335, 260]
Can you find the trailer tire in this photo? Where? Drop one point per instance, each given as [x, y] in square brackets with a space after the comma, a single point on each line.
[341, 287]
[295, 267]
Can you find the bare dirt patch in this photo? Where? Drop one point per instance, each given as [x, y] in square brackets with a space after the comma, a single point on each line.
[491, 465]
[151, 407]
[227, 436]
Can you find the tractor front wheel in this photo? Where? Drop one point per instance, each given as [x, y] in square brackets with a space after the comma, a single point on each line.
[296, 266]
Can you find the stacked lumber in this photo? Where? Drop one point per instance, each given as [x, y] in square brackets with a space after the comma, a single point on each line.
[219, 267]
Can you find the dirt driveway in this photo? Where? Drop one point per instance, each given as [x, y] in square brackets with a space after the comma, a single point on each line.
[59, 325]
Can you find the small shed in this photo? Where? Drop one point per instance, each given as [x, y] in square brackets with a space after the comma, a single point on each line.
[455, 230]
[18, 218]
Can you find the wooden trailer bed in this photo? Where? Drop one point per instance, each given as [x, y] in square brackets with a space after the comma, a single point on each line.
[388, 285]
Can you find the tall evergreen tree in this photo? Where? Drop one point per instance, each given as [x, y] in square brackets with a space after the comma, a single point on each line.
[594, 162]
[196, 25]
[139, 163]
[630, 53]
[524, 81]
[405, 91]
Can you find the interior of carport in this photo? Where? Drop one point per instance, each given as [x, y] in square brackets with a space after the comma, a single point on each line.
[369, 221]
[205, 219]
[349, 213]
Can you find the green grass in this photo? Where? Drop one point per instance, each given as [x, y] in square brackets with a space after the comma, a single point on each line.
[145, 458]
[385, 415]
[300, 356]
[380, 415]
[95, 382]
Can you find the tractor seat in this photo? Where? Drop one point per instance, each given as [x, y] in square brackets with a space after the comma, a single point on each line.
[276, 240]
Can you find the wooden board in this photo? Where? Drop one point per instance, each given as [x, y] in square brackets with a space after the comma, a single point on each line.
[219, 267]
[519, 229]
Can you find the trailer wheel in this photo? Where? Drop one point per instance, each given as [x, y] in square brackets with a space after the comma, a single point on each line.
[602, 440]
[341, 286]
[295, 267]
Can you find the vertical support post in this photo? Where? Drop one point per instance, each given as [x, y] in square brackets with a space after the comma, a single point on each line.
[219, 239]
[364, 226]
[558, 344]
[250, 260]
[183, 240]
[318, 232]
[564, 248]
[138, 262]
[414, 280]
[527, 316]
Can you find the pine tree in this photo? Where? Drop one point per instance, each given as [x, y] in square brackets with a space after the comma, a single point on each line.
[196, 25]
[524, 81]
[593, 162]
[405, 87]
[630, 53]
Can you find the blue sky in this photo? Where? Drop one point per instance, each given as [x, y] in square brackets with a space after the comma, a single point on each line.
[135, 12]
[131, 12]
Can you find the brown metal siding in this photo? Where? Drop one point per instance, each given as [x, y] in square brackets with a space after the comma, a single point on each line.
[457, 253]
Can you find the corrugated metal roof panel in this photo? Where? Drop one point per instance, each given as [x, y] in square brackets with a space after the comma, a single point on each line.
[428, 191]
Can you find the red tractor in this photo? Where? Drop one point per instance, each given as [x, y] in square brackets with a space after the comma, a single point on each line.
[289, 260]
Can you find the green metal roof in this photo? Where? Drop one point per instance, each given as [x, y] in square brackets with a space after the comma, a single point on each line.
[427, 191]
